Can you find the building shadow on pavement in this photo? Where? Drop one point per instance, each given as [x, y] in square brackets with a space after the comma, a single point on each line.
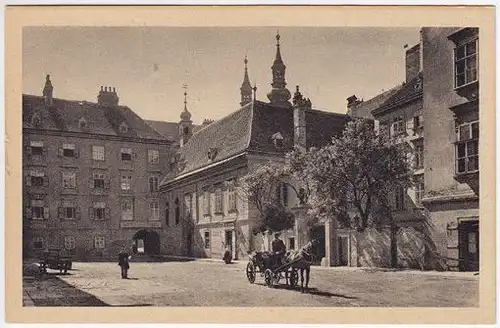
[311, 291]
[50, 290]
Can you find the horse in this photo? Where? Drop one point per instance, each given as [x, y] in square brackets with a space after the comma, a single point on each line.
[303, 259]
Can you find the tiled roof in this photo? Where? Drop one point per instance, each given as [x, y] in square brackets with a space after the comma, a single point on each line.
[250, 129]
[407, 92]
[169, 129]
[65, 115]
[365, 108]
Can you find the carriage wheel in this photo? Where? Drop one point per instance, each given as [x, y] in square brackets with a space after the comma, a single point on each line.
[294, 278]
[251, 272]
[268, 277]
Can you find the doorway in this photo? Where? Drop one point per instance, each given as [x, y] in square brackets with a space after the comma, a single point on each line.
[468, 234]
[318, 233]
[343, 249]
[147, 242]
[229, 241]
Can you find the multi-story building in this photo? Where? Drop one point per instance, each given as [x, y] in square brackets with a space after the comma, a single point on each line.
[203, 190]
[451, 112]
[91, 178]
[441, 87]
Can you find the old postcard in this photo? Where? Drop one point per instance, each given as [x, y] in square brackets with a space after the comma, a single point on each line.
[250, 164]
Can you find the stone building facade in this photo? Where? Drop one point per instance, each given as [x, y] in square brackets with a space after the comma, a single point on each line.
[91, 177]
[442, 89]
[203, 189]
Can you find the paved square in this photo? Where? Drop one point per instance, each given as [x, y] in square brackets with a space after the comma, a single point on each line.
[203, 283]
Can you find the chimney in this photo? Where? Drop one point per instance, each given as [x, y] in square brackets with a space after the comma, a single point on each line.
[412, 62]
[300, 105]
[107, 97]
[47, 91]
[352, 103]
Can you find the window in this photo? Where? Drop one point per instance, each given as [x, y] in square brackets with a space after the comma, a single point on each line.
[231, 197]
[398, 125]
[291, 243]
[126, 182]
[155, 211]
[467, 148]
[218, 200]
[153, 156]
[98, 153]
[466, 63]
[69, 180]
[99, 242]
[177, 211]
[284, 195]
[188, 205]
[69, 242]
[153, 184]
[99, 180]
[419, 191]
[127, 210]
[167, 214]
[123, 127]
[82, 123]
[38, 243]
[37, 178]
[99, 211]
[206, 202]
[419, 156]
[67, 211]
[418, 121]
[207, 240]
[38, 211]
[400, 198]
[68, 150]
[126, 154]
[36, 148]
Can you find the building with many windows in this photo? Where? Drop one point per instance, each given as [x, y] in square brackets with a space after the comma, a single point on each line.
[442, 87]
[91, 178]
[203, 192]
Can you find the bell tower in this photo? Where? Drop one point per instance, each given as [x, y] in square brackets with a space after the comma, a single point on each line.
[279, 94]
[47, 91]
[185, 124]
[246, 87]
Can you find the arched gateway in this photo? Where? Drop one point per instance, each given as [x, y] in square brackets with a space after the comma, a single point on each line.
[147, 241]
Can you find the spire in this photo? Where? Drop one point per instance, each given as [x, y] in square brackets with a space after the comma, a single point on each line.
[185, 115]
[279, 94]
[47, 91]
[246, 87]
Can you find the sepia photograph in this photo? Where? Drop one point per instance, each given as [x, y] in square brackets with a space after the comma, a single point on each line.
[271, 165]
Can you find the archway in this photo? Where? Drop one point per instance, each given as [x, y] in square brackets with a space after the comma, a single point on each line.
[147, 242]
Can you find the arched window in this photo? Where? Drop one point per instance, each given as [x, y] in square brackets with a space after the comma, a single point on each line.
[177, 211]
[167, 214]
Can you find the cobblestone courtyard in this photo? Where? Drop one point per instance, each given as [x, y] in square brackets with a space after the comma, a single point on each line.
[204, 283]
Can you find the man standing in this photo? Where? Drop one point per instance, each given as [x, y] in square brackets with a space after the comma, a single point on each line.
[279, 249]
[123, 258]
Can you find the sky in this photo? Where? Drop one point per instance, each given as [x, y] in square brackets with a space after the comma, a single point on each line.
[149, 65]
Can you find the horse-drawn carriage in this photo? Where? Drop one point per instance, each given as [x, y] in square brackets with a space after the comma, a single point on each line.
[267, 265]
[55, 260]
[293, 262]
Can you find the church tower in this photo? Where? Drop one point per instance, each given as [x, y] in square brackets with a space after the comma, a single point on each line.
[185, 125]
[47, 91]
[246, 87]
[279, 94]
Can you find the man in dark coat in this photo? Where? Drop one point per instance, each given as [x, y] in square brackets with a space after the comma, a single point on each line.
[123, 258]
[278, 248]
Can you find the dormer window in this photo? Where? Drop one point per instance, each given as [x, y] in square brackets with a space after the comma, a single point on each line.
[82, 123]
[277, 140]
[123, 128]
[212, 153]
[36, 120]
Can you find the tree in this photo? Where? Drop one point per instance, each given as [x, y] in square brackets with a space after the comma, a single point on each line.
[260, 188]
[358, 170]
